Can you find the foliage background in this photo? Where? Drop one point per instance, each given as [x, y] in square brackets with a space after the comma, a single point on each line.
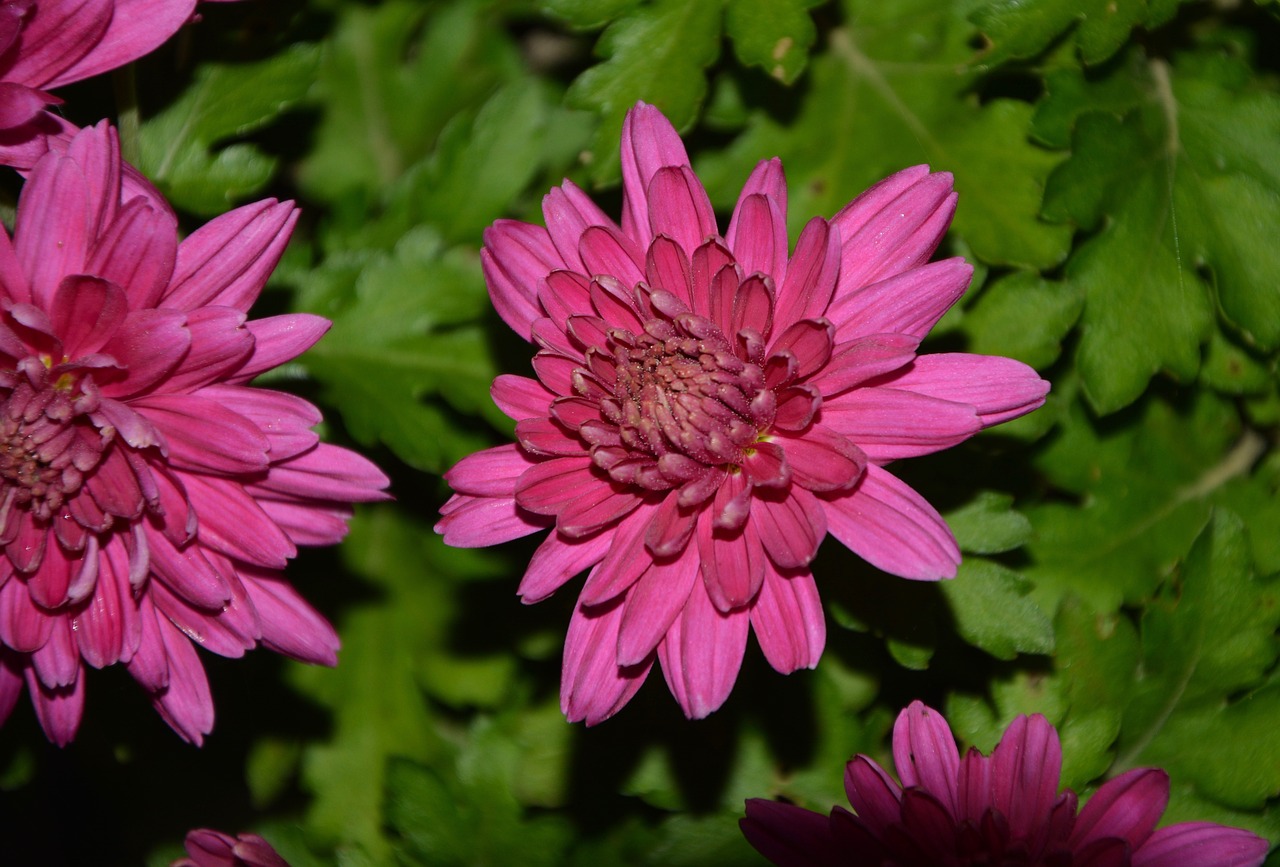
[1118, 163]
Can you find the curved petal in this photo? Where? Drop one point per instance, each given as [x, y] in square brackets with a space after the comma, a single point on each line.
[679, 208]
[790, 836]
[788, 621]
[655, 600]
[137, 27]
[702, 652]
[925, 754]
[893, 528]
[556, 561]
[909, 303]
[1201, 844]
[1126, 807]
[891, 423]
[516, 258]
[999, 388]
[593, 687]
[1025, 769]
[649, 142]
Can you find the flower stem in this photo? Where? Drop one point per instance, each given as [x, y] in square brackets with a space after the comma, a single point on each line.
[125, 82]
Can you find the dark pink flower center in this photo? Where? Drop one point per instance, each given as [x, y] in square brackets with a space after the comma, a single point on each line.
[680, 388]
[47, 445]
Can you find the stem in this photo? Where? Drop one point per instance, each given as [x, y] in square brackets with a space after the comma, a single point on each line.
[128, 119]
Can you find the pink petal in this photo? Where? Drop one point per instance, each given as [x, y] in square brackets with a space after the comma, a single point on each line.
[10, 685]
[520, 397]
[649, 142]
[909, 303]
[278, 339]
[810, 341]
[1025, 769]
[625, 561]
[823, 460]
[873, 794]
[925, 754]
[791, 526]
[226, 261]
[998, 388]
[23, 627]
[308, 523]
[204, 435]
[856, 361]
[325, 472]
[883, 236]
[679, 207]
[51, 235]
[568, 212]
[59, 710]
[284, 419]
[702, 652]
[188, 573]
[490, 473]
[758, 236]
[137, 28]
[54, 37]
[232, 522]
[228, 631]
[20, 105]
[1126, 807]
[707, 263]
[655, 600]
[1201, 844]
[137, 251]
[289, 624]
[890, 526]
[557, 560]
[667, 268]
[605, 251]
[593, 687]
[478, 522]
[515, 259]
[890, 423]
[811, 273]
[108, 630]
[149, 344]
[548, 487]
[185, 704]
[220, 344]
[13, 281]
[733, 562]
[788, 621]
[789, 836]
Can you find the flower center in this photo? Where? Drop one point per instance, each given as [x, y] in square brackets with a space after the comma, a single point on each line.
[680, 388]
[44, 451]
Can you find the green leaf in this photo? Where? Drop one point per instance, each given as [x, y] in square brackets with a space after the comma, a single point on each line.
[988, 524]
[1171, 188]
[480, 165]
[184, 149]
[402, 338]
[1145, 487]
[773, 34]
[378, 706]
[587, 14]
[394, 74]
[1024, 28]
[656, 53]
[993, 611]
[1023, 316]
[894, 89]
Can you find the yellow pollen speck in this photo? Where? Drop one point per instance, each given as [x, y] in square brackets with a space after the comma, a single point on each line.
[784, 45]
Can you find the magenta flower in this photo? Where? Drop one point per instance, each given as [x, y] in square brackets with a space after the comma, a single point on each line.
[707, 408]
[148, 496]
[45, 44]
[1003, 809]
[208, 848]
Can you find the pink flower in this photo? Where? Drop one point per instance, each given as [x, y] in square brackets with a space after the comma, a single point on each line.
[1005, 809]
[708, 408]
[214, 849]
[148, 496]
[45, 44]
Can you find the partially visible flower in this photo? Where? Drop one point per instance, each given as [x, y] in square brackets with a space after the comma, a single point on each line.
[149, 497]
[45, 44]
[207, 848]
[709, 407]
[1004, 809]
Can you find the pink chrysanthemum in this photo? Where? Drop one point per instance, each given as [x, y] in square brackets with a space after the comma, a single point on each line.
[708, 408]
[48, 43]
[1005, 809]
[148, 497]
[208, 848]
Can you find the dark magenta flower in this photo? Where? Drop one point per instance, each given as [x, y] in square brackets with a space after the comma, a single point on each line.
[149, 497]
[708, 407]
[207, 848]
[1004, 809]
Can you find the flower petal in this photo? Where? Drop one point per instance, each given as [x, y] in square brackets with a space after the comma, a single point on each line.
[655, 600]
[890, 423]
[788, 621]
[893, 528]
[593, 687]
[702, 652]
[999, 388]
[1125, 807]
[649, 142]
[925, 754]
[1201, 844]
